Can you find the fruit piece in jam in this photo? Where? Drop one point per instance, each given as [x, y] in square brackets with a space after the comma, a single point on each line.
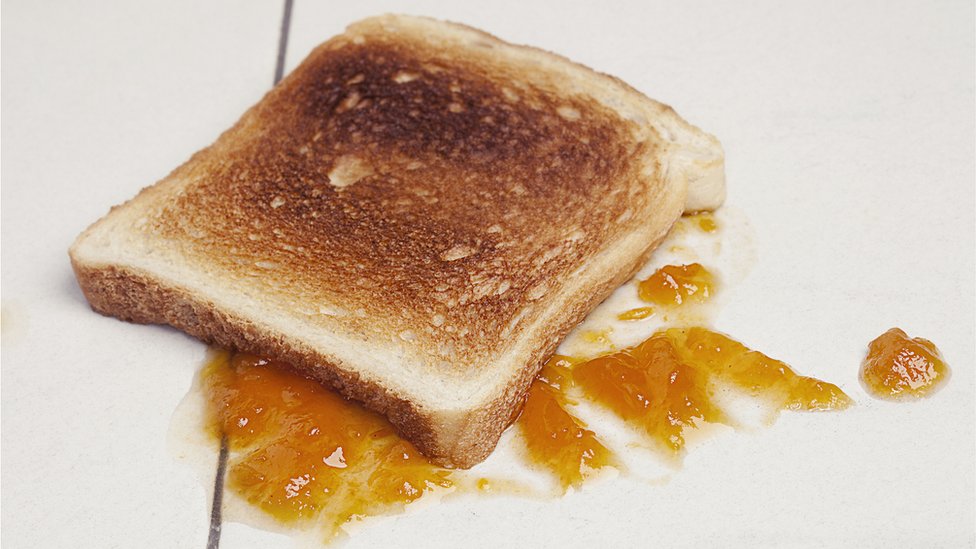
[674, 285]
[640, 313]
[898, 367]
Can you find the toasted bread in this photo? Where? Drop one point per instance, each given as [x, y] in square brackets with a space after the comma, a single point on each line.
[416, 216]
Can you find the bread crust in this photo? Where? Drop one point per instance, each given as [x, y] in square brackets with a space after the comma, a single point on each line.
[129, 295]
[423, 192]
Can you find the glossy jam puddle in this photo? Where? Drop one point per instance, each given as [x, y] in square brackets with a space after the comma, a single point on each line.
[303, 454]
[665, 385]
[650, 387]
[555, 439]
[898, 367]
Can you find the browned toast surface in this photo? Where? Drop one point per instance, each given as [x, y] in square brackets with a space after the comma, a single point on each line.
[408, 187]
[416, 215]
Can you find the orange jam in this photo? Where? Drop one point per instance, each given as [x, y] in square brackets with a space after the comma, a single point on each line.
[899, 368]
[650, 386]
[302, 453]
[677, 284]
[704, 220]
[639, 313]
[731, 362]
[665, 384]
[554, 438]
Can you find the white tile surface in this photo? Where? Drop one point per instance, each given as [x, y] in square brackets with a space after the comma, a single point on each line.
[849, 133]
[99, 100]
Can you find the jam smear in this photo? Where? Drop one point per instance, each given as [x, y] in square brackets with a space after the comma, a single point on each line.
[302, 453]
[898, 367]
[775, 382]
[599, 338]
[674, 285]
[665, 384]
[640, 313]
[306, 456]
[704, 221]
[649, 385]
[554, 438]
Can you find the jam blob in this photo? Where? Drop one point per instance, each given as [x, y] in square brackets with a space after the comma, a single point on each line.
[898, 367]
[674, 285]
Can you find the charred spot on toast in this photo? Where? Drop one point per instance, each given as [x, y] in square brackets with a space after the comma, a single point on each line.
[405, 186]
[378, 97]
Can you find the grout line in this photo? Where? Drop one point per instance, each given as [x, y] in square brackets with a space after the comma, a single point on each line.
[216, 521]
[213, 540]
[283, 42]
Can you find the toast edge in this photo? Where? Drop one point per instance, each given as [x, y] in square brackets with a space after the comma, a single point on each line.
[132, 296]
[454, 440]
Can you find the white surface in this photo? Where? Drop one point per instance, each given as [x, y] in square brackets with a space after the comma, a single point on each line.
[849, 134]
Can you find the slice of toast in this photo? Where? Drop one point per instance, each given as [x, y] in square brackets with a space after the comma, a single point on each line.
[415, 216]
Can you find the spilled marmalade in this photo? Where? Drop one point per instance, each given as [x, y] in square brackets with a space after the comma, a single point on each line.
[556, 439]
[674, 285]
[303, 454]
[640, 313]
[665, 385]
[307, 457]
[705, 221]
[898, 367]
